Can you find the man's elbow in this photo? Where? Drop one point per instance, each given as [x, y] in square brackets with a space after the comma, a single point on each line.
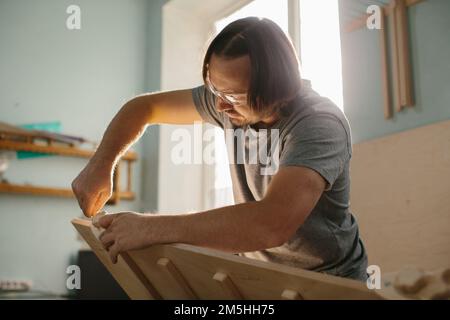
[283, 226]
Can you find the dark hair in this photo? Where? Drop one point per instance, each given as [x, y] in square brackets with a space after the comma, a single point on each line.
[275, 76]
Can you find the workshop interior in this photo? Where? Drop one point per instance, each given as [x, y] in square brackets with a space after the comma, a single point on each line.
[68, 66]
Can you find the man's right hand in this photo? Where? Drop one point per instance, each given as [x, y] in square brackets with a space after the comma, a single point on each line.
[93, 187]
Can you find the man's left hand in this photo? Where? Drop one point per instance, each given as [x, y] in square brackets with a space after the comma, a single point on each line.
[125, 231]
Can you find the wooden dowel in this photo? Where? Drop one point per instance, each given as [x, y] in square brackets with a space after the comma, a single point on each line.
[129, 176]
[115, 198]
[288, 294]
[395, 58]
[227, 286]
[385, 70]
[402, 33]
[172, 272]
[140, 275]
[58, 150]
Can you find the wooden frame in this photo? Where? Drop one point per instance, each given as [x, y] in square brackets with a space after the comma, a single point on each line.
[187, 272]
[396, 12]
[385, 69]
[66, 151]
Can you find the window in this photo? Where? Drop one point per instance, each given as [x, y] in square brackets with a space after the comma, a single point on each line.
[277, 11]
[321, 47]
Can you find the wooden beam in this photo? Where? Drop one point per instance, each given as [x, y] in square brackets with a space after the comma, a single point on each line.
[227, 286]
[57, 150]
[288, 294]
[404, 70]
[175, 275]
[256, 280]
[130, 277]
[395, 58]
[48, 191]
[385, 69]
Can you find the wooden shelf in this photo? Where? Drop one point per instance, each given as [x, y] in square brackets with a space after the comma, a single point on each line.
[67, 151]
[57, 150]
[55, 192]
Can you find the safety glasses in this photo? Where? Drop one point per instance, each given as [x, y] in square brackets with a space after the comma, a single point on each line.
[230, 98]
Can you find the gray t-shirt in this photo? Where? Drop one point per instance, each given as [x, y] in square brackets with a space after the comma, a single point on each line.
[312, 132]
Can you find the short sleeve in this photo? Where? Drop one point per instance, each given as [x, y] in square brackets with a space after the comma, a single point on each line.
[204, 101]
[320, 142]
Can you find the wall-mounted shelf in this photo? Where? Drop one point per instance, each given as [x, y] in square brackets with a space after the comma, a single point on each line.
[68, 151]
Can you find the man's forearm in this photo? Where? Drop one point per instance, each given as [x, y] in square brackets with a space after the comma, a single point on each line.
[125, 128]
[244, 227]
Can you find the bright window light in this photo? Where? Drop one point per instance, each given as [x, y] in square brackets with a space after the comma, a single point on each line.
[276, 11]
[321, 47]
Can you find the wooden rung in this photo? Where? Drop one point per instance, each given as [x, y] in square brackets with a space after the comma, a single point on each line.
[173, 273]
[289, 294]
[401, 28]
[58, 150]
[115, 198]
[227, 286]
[138, 273]
[385, 70]
[395, 58]
[129, 175]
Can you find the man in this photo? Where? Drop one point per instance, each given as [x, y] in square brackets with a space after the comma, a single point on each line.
[298, 216]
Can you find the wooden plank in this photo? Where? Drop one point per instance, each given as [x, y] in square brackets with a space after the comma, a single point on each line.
[129, 175]
[58, 150]
[395, 58]
[404, 68]
[127, 275]
[48, 191]
[385, 69]
[255, 279]
[288, 294]
[172, 273]
[400, 196]
[115, 198]
[227, 286]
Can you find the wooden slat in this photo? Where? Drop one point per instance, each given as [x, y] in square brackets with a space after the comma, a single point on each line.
[172, 273]
[58, 150]
[129, 277]
[115, 198]
[395, 59]
[385, 69]
[256, 279]
[227, 286]
[48, 191]
[288, 294]
[404, 71]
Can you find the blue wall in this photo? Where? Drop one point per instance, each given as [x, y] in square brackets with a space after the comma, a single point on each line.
[80, 78]
[429, 25]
